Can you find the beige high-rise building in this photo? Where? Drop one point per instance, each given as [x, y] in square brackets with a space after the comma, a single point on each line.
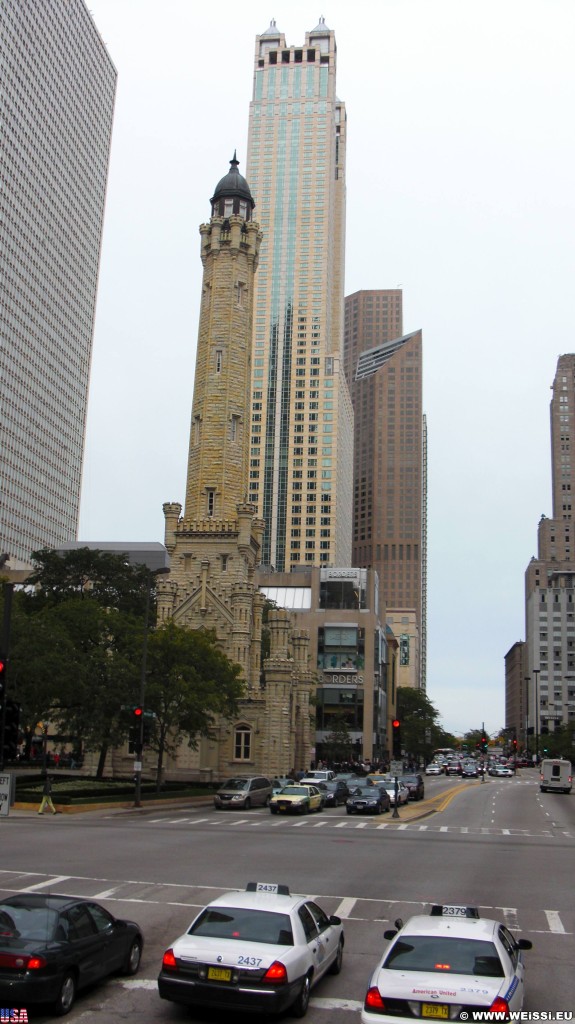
[384, 370]
[550, 580]
[301, 453]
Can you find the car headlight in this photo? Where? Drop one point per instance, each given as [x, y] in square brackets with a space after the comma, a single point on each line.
[239, 796]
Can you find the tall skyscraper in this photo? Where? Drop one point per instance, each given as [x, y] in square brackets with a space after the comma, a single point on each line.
[56, 109]
[384, 370]
[301, 457]
[550, 578]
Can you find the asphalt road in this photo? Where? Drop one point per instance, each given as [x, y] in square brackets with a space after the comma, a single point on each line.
[499, 845]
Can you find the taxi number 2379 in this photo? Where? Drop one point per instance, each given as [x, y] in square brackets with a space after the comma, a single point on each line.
[249, 961]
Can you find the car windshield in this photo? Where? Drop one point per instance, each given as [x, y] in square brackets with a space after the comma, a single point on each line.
[235, 784]
[441, 955]
[244, 924]
[409, 778]
[296, 791]
[28, 922]
[370, 791]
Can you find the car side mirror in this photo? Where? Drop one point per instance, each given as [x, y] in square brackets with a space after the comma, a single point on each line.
[524, 944]
[398, 923]
[334, 920]
[390, 933]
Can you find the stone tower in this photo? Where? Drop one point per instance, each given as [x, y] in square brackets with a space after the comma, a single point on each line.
[215, 546]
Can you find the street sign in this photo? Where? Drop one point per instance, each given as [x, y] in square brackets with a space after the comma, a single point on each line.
[396, 767]
[5, 788]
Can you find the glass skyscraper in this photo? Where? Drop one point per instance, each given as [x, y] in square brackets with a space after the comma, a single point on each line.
[301, 456]
[56, 109]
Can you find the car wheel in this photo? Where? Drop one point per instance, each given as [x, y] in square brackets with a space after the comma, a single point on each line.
[349, 810]
[133, 959]
[66, 995]
[299, 1008]
[247, 804]
[335, 967]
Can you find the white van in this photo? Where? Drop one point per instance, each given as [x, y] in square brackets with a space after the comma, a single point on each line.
[556, 775]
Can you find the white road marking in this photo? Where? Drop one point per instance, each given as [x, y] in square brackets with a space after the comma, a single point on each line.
[554, 922]
[346, 906]
[55, 880]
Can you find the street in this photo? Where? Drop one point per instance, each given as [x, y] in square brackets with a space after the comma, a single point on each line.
[498, 845]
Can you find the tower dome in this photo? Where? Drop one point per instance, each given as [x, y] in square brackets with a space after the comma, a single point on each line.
[232, 194]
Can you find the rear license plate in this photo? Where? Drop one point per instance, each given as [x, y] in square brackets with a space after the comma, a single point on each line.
[219, 974]
[435, 1011]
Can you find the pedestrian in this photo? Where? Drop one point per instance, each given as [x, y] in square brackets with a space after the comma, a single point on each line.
[47, 797]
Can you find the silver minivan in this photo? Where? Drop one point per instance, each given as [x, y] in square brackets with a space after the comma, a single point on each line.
[243, 792]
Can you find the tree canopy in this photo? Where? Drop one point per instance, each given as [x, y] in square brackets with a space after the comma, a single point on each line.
[77, 655]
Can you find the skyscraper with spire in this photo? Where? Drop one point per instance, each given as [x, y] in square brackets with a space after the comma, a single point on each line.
[301, 450]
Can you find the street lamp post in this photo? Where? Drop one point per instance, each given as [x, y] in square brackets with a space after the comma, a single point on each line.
[537, 713]
[526, 744]
[140, 744]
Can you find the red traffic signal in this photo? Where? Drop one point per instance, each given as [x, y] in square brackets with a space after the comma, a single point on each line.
[396, 723]
[138, 712]
[396, 738]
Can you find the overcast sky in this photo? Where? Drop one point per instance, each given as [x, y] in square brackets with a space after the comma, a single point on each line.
[460, 190]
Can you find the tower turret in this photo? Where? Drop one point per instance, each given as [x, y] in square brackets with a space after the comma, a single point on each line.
[219, 440]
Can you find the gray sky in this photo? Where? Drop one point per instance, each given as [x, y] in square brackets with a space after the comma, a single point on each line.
[461, 166]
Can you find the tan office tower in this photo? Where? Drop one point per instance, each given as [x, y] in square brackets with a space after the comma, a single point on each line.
[550, 581]
[301, 457]
[384, 369]
[56, 109]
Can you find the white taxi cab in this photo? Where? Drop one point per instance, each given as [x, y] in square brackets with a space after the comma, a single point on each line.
[261, 950]
[445, 966]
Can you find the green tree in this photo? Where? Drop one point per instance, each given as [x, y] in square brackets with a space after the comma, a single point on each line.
[337, 746]
[103, 576]
[420, 732]
[190, 684]
[74, 663]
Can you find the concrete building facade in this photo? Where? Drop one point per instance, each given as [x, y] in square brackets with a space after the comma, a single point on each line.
[550, 577]
[301, 454]
[350, 649]
[56, 109]
[384, 371]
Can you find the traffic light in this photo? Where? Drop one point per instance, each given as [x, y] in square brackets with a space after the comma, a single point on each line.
[2, 679]
[514, 744]
[137, 713]
[484, 744]
[396, 737]
[11, 730]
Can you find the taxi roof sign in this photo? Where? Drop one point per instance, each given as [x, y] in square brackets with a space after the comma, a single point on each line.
[449, 910]
[270, 887]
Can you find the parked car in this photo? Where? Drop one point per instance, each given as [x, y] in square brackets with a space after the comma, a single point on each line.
[334, 792]
[256, 951]
[319, 775]
[243, 792]
[368, 800]
[52, 946]
[415, 785]
[279, 783]
[297, 799]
